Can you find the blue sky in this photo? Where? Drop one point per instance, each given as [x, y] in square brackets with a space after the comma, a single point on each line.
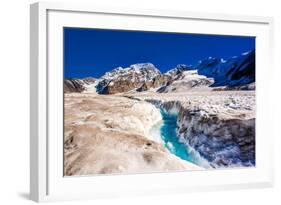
[92, 52]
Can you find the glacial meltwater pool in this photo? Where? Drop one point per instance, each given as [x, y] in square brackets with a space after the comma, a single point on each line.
[171, 140]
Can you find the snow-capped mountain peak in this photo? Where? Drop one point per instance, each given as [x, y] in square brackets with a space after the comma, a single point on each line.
[236, 71]
[125, 79]
[177, 70]
[144, 68]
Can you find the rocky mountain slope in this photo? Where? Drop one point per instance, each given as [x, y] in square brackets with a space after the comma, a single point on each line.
[185, 81]
[77, 85]
[236, 71]
[125, 79]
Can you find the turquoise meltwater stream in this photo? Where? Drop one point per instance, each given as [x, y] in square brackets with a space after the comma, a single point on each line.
[169, 136]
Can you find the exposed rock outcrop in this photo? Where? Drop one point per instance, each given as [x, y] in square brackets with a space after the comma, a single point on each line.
[158, 81]
[178, 70]
[185, 81]
[77, 85]
[122, 80]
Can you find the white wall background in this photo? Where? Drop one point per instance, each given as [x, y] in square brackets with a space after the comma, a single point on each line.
[14, 101]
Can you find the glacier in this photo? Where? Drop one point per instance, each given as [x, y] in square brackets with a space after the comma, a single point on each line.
[191, 117]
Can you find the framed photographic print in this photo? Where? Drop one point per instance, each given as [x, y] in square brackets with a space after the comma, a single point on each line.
[128, 101]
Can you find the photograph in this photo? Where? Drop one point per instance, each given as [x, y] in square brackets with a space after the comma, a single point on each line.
[139, 102]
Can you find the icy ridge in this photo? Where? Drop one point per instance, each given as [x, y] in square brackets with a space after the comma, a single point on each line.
[216, 141]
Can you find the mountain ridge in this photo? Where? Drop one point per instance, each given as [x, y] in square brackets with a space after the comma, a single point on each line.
[232, 74]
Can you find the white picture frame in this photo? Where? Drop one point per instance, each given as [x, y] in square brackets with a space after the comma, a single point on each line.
[46, 177]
